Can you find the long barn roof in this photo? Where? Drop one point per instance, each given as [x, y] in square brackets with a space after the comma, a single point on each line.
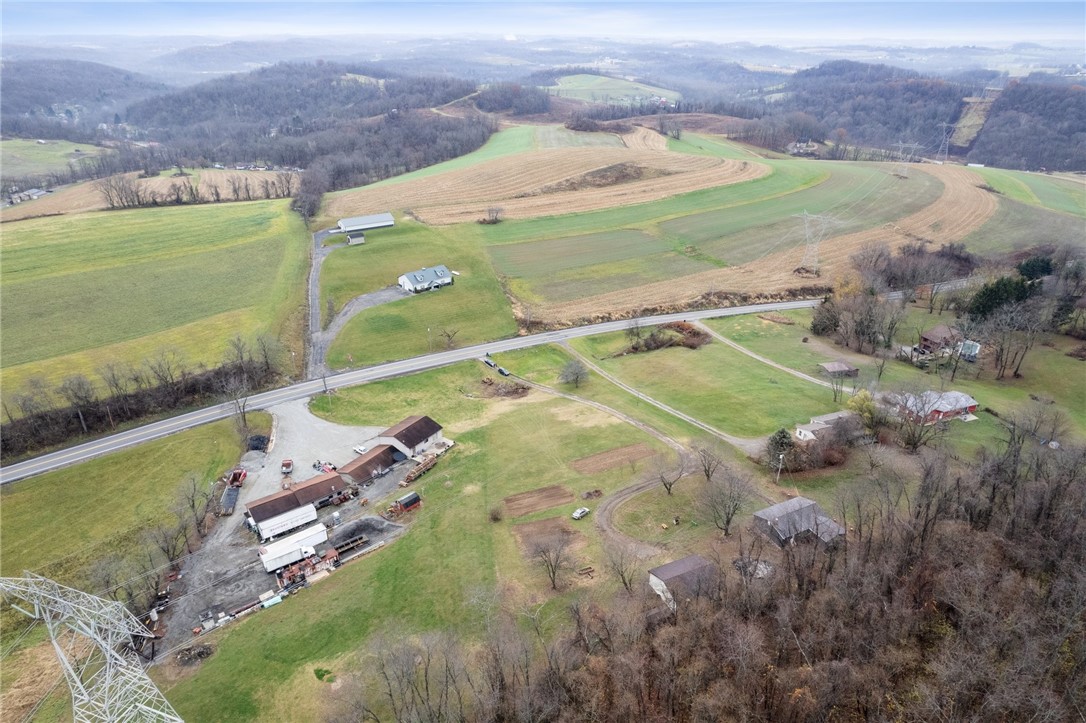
[365, 223]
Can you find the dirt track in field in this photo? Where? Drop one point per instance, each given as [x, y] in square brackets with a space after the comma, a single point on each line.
[519, 184]
[84, 197]
[961, 209]
[531, 501]
[612, 458]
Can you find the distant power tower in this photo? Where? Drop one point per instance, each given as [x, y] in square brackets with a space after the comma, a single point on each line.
[947, 129]
[815, 228]
[906, 154]
[92, 638]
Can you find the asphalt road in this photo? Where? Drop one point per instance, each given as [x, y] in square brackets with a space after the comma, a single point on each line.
[156, 430]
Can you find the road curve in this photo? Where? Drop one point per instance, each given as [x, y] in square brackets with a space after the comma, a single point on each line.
[156, 430]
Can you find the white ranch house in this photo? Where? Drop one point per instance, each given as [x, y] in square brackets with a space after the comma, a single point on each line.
[426, 279]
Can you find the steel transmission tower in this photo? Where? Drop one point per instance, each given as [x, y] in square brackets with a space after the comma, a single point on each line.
[947, 130]
[815, 228]
[904, 158]
[93, 641]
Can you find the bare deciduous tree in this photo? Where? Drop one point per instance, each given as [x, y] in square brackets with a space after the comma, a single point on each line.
[623, 564]
[725, 495]
[554, 556]
[669, 474]
[574, 372]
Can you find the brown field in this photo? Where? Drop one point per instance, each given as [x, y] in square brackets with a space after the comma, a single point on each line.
[612, 458]
[643, 139]
[961, 209]
[531, 534]
[531, 501]
[518, 184]
[83, 197]
[694, 122]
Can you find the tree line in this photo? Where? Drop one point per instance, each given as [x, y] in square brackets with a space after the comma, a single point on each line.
[39, 416]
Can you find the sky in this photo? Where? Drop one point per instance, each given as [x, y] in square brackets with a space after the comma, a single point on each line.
[809, 22]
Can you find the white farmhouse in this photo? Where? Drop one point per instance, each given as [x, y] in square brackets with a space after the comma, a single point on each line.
[426, 279]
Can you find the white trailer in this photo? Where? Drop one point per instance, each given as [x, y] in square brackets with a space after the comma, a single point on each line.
[292, 548]
[289, 520]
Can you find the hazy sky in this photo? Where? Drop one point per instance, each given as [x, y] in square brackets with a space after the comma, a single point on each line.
[811, 22]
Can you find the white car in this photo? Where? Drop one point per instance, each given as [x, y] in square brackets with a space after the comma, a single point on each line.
[580, 513]
[361, 450]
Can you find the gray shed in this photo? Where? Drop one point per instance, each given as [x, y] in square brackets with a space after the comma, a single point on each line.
[797, 520]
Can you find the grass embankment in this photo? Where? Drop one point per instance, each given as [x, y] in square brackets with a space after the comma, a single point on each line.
[475, 307]
[427, 579]
[1047, 373]
[81, 291]
[715, 384]
[19, 157]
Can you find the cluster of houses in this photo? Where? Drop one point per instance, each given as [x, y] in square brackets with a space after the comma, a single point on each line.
[795, 521]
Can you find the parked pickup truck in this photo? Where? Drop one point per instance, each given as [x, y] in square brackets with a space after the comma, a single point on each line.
[287, 467]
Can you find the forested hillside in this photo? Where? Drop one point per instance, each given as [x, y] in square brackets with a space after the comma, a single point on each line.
[1035, 125]
[45, 93]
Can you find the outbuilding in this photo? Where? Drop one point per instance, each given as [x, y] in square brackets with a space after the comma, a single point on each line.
[413, 436]
[938, 338]
[797, 520]
[840, 368]
[683, 579]
[356, 226]
[372, 464]
[426, 279]
[278, 513]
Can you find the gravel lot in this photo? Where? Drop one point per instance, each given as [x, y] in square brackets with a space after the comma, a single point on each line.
[226, 572]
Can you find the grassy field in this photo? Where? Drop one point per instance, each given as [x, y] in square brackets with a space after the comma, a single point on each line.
[1018, 225]
[602, 89]
[20, 157]
[427, 579]
[84, 290]
[718, 385]
[1054, 194]
[1048, 372]
[475, 306]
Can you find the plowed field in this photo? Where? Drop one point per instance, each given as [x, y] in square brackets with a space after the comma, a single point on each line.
[538, 499]
[524, 185]
[612, 458]
[962, 208]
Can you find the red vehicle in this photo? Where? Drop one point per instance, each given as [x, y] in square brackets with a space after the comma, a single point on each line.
[287, 466]
[236, 477]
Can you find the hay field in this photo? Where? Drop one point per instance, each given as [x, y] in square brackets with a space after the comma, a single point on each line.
[603, 89]
[962, 208]
[20, 157]
[84, 197]
[83, 290]
[549, 182]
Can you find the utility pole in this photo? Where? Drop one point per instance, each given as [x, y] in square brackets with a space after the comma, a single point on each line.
[108, 683]
[815, 234]
[947, 129]
[901, 167]
[780, 463]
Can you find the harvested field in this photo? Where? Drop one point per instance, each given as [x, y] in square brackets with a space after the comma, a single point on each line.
[694, 122]
[531, 534]
[612, 458]
[962, 208]
[520, 183]
[531, 501]
[83, 197]
[643, 139]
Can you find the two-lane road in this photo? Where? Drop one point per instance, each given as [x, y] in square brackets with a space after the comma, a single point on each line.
[309, 388]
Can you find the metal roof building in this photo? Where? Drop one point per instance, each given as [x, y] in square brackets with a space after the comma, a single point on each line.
[358, 224]
[795, 520]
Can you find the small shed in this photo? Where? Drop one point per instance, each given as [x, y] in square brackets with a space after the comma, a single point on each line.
[939, 337]
[969, 350]
[840, 368]
[683, 579]
[797, 520]
[356, 226]
[426, 279]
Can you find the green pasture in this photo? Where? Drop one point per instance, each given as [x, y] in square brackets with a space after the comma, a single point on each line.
[716, 384]
[20, 158]
[474, 306]
[1052, 193]
[540, 258]
[562, 137]
[425, 580]
[1048, 373]
[104, 504]
[1017, 225]
[83, 290]
[603, 89]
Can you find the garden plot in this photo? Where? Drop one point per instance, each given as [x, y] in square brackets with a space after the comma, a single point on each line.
[531, 501]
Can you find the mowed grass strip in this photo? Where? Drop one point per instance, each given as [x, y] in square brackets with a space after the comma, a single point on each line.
[1055, 194]
[475, 307]
[715, 384]
[75, 285]
[427, 579]
[562, 137]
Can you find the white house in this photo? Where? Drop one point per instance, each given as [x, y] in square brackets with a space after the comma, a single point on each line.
[413, 436]
[809, 432]
[426, 279]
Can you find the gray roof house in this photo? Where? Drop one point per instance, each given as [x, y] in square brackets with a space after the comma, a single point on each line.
[809, 432]
[797, 520]
[426, 279]
[683, 579]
